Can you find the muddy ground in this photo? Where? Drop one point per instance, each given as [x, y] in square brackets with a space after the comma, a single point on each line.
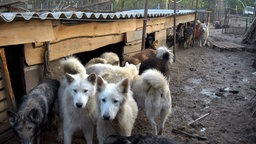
[221, 85]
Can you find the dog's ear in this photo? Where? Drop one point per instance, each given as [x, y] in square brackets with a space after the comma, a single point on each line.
[100, 83]
[34, 116]
[70, 77]
[126, 64]
[92, 78]
[138, 66]
[124, 85]
[12, 117]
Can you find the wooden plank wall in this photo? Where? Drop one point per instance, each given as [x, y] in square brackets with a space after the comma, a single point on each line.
[79, 37]
[6, 133]
[6, 102]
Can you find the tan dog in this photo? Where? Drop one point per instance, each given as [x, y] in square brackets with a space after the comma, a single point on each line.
[143, 55]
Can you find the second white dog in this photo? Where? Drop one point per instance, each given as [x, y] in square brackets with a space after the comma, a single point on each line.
[151, 92]
[117, 109]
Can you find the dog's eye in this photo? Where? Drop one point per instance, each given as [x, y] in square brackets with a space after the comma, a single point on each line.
[29, 128]
[86, 90]
[103, 100]
[115, 101]
[75, 90]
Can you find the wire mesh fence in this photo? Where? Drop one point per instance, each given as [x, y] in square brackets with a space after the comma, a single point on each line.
[90, 5]
[237, 25]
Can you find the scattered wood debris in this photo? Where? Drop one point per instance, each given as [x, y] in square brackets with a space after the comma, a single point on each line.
[225, 45]
[201, 117]
[188, 134]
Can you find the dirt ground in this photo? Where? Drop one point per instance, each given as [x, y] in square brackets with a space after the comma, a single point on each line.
[207, 81]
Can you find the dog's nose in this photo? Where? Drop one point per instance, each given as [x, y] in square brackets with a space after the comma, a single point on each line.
[106, 117]
[79, 105]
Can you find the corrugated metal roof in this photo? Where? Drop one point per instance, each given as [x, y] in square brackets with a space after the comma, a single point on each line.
[74, 15]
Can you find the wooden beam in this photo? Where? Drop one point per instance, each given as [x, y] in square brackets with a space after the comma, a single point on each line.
[3, 105]
[161, 37]
[4, 126]
[7, 135]
[2, 94]
[185, 18]
[133, 36]
[179, 19]
[150, 22]
[92, 29]
[20, 32]
[154, 28]
[132, 48]
[7, 81]
[68, 47]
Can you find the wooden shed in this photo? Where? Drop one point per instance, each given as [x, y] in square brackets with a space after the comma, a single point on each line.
[31, 42]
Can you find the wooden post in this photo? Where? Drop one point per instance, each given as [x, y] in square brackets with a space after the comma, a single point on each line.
[10, 98]
[194, 33]
[174, 32]
[144, 25]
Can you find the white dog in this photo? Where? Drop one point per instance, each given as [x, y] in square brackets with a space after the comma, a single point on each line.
[151, 92]
[116, 108]
[77, 101]
[111, 58]
[203, 34]
[112, 73]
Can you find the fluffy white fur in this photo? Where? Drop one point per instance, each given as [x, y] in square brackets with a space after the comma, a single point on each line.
[77, 101]
[111, 58]
[204, 34]
[114, 73]
[116, 108]
[151, 92]
[160, 51]
[95, 61]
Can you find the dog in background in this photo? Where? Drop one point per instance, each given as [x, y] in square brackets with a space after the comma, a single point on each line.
[144, 54]
[77, 101]
[137, 139]
[111, 58]
[113, 74]
[162, 62]
[151, 92]
[203, 33]
[188, 36]
[96, 61]
[141, 56]
[33, 113]
[116, 108]
[105, 58]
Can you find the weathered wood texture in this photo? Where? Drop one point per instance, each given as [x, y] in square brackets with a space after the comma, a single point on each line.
[223, 45]
[68, 47]
[21, 32]
[92, 29]
[133, 36]
[131, 49]
[161, 37]
[7, 81]
[75, 38]
[7, 101]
